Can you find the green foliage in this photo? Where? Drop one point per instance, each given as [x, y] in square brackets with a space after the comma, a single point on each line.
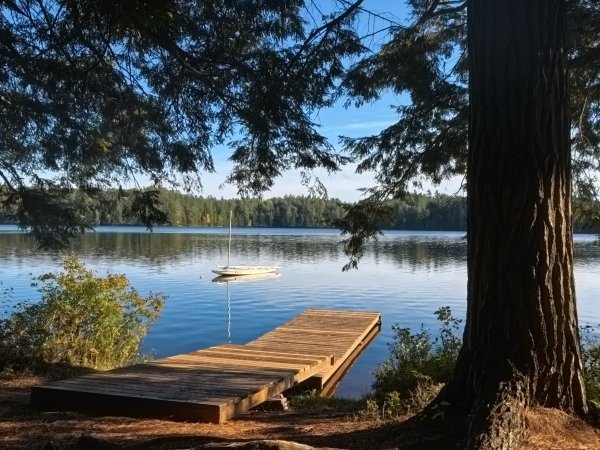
[288, 211]
[82, 319]
[371, 411]
[392, 405]
[361, 222]
[424, 58]
[116, 207]
[411, 212]
[418, 356]
[427, 61]
[417, 366]
[310, 401]
[95, 93]
[590, 343]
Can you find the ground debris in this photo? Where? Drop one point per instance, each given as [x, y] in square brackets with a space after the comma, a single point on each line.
[24, 428]
[91, 442]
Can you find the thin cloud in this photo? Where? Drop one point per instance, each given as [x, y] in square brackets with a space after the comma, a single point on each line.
[380, 124]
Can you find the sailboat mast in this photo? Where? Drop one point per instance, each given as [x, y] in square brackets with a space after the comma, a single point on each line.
[229, 244]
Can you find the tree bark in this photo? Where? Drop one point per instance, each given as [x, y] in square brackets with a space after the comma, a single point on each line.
[521, 341]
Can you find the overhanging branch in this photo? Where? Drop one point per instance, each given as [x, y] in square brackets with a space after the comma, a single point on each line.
[326, 27]
[433, 11]
[591, 56]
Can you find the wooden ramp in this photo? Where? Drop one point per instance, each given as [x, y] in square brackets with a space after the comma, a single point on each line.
[216, 383]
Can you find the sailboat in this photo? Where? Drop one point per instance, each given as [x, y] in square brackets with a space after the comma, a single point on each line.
[240, 270]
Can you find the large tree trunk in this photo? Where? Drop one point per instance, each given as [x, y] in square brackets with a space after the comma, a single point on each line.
[521, 342]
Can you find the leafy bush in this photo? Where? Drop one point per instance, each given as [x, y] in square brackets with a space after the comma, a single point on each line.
[82, 319]
[590, 344]
[417, 366]
[416, 357]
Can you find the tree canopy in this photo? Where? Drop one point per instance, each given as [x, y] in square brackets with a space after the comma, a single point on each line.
[99, 93]
[426, 58]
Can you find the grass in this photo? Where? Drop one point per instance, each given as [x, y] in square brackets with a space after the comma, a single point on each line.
[309, 401]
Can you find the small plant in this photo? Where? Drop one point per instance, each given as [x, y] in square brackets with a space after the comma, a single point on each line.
[311, 401]
[82, 319]
[590, 353]
[392, 405]
[372, 411]
[424, 392]
[417, 367]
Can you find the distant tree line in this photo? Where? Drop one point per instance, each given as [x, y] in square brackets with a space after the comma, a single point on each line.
[413, 212]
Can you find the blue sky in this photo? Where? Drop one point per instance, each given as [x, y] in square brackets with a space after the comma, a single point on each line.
[334, 122]
[353, 122]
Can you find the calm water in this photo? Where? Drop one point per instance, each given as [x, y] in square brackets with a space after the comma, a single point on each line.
[405, 276]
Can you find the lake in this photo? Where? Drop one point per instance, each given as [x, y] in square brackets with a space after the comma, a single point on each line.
[406, 276]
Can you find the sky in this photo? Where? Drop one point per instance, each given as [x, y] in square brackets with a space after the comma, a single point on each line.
[352, 122]
[334, 122]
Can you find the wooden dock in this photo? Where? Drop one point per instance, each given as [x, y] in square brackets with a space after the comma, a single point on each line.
[216, 383]
[343, 334]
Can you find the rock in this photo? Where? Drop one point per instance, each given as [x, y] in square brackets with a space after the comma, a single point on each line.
[275, 403]
[259, 445]
[93, 443]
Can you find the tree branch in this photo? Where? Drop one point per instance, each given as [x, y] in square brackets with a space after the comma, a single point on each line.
[377, 15]
[325, 27]
[587, 58]
[433, 12]
[428, 14]
[13, 6]
[171, 47]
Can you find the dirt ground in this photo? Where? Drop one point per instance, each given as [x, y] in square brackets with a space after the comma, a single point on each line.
[23, 428]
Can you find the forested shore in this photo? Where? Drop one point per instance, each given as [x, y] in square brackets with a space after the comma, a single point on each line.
[415, 211]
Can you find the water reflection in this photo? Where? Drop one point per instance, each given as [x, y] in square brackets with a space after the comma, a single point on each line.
[405, 251]
[417, 254]
[168, 248]
[226, 280]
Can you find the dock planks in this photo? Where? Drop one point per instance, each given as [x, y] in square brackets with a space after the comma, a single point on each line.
[215, 384]
[343, 334]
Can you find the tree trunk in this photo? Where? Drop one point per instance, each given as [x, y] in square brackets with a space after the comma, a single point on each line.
[521, 341]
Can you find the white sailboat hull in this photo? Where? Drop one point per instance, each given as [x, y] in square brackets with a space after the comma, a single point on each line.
[222, 279]
[233, 271]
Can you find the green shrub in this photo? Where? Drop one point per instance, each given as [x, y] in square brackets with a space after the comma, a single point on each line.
[82, 319]
[590, 344]
[417, 367]
[372, 410]
[417, 357]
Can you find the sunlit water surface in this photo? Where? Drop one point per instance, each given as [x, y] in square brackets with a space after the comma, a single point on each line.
[406, 276]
